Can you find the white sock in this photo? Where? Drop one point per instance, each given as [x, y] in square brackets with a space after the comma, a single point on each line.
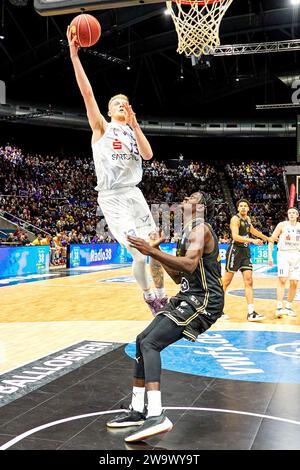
[288, 304]
[149, 294]
[250, 308]
[154, 403]
[160, 292]
[279, 304]
[138, 399]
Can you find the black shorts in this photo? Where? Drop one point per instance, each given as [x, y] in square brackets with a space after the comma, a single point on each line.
[238, 258]
[186, 311]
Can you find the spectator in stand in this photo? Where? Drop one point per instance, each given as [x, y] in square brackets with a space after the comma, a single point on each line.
[24, 240]
[46, 240]
[46, 189]
[18, 232]
[73, 239]
[37, 240]
[225, 238]
[10, 238]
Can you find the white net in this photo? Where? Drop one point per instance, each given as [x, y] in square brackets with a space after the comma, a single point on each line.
[197, 24]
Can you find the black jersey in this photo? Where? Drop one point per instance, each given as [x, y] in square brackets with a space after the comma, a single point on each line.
[200, 301]
[244, 230]
[205, 282]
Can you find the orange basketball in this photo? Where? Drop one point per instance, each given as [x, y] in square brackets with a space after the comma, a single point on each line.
[87, 28]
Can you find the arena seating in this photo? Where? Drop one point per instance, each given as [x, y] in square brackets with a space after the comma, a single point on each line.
[56, 194]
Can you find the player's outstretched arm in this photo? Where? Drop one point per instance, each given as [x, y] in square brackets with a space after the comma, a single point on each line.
[156, 238]
[187, 263]
[97, 122]
[258, 234]
[234, 227]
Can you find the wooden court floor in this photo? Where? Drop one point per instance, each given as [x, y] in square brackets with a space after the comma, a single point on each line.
[44, 319]
[41, 317]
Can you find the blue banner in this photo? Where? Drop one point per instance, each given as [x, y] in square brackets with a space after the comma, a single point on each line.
[97, 254]
[259, 254]
[16, 261]
[169, 248]
[222, 250]
[106, 253]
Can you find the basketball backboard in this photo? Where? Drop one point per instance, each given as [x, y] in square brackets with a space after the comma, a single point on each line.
[62, 7]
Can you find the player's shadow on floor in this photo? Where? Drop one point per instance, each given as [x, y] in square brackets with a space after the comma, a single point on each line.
[142, 445]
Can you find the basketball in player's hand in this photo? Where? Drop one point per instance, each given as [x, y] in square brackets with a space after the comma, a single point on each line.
[87, 28]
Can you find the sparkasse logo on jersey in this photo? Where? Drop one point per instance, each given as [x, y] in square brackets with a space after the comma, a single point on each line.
[117, 144]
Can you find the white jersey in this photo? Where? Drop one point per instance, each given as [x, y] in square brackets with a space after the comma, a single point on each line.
[289, 239]
[117, 160]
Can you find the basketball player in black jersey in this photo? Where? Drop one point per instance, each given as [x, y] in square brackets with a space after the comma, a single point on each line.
[198, 304]
[238, 254]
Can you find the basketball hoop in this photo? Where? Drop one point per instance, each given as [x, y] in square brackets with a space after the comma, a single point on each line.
[197, 24]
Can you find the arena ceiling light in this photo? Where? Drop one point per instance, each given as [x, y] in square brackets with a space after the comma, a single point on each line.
[295, 2]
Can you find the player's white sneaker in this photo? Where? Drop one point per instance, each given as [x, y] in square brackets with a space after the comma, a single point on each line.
[279, 312]
[154, 305]
[290, 312]
[225, 316]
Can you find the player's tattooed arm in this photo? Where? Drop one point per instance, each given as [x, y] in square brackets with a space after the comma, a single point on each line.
[157, 273]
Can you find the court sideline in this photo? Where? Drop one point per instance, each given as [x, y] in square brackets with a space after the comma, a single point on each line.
[96, 316]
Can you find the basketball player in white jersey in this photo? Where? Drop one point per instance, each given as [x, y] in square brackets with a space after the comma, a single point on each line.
[118, 149]
[288, 260]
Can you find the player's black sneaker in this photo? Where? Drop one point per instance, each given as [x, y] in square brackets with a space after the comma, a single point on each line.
[130, 417]
[152, 426]
[254, 316]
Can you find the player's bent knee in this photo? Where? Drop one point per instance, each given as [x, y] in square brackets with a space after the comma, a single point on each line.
[136, 255]
[147, 345]
[248, 282]
[139, 339]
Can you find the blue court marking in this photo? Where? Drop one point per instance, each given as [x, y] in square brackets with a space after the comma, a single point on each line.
[265, 270]
[256, 356]
[12, 281]
[265, 293]
[121, 279]
[24, 279]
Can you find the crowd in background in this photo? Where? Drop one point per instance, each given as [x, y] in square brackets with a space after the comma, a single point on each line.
[256, 181]
[50, 193]
[262, 184]
[56, 198]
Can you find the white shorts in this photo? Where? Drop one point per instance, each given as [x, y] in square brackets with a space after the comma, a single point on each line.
[288, 264]
[126, 212]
